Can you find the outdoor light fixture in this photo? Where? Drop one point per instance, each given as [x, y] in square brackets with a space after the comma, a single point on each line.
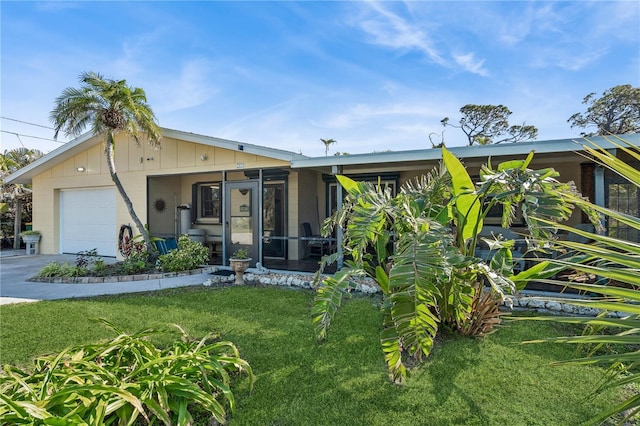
[80, 169]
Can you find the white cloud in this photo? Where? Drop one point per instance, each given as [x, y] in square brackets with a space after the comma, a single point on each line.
[190, 87]
[390, 30]
[471, 64]
[567, 59]
[360, 114]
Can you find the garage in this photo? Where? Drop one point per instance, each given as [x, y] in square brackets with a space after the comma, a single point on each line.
[88, 221]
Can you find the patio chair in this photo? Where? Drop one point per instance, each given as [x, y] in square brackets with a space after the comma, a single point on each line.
[164, 246]
[314, 244]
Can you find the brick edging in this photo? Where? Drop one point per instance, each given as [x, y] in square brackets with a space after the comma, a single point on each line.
[120, 278]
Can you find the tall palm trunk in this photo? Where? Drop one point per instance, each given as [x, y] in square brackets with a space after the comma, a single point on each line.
[109, 151]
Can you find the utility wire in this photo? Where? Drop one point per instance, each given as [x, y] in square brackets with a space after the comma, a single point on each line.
[26, 122]
[30, 136]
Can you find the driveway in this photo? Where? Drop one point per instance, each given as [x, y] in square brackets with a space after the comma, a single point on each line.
[16, 268]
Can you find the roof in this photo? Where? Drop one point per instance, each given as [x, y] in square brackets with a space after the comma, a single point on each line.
[464, 152]
[299, 161]
[85, 141]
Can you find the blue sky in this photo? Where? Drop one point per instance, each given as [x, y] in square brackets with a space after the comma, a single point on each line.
[374, 76]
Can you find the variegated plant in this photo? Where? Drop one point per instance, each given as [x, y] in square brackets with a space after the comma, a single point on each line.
[420, 245]
[124, 380]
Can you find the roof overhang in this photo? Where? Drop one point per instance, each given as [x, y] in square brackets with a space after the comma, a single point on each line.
[386, 160]
[464, 152]
[88, 140]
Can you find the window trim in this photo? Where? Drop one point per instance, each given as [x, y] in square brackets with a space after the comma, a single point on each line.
[196, 211]
[383, 178]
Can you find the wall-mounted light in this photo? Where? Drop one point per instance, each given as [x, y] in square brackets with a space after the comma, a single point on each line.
[244, 191]
[80, 169]
[203, 157]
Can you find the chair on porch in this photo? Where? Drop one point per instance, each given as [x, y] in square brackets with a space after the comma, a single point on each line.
[315, 245]
[164, 246]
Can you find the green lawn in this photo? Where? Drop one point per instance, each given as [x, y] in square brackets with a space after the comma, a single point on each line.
[490, 381]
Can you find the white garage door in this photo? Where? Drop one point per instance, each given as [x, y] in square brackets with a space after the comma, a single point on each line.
[88, 221]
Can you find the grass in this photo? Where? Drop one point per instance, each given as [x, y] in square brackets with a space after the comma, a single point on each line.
[490, 381]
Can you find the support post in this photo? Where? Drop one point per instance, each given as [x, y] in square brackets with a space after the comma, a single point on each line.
[336, 170]
[17, 224]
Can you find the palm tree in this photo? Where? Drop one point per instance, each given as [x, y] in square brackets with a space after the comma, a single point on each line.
[326, 143]
[616, 263]
[108, 107]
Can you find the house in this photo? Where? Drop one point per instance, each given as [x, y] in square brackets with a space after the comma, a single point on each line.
[232, 194]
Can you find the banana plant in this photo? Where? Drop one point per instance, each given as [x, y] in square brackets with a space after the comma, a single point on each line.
[420, 248]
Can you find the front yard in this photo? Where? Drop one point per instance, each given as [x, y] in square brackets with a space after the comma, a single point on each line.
[490, 381]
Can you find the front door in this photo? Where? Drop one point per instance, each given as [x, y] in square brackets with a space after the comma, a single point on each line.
[241, 223]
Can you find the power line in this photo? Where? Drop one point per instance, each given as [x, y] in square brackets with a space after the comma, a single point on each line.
[30, 136]
[26, 122]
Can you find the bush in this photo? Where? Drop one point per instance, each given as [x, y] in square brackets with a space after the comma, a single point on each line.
[131, 266]
[123, 381]
[56, 270]
[190, 254]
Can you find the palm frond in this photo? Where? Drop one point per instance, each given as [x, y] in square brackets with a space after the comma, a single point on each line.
[612, 259]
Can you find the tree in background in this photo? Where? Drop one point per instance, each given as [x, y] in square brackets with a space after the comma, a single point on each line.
[615, 113]
[108, 107]
[15, 199]
[486, 124]
[327, 143]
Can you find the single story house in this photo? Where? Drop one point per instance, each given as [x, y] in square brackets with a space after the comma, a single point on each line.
[233, 194]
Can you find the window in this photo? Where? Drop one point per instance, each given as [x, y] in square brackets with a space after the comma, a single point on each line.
[207, 197]
[494, 215]
[624, 198]
[385, 181]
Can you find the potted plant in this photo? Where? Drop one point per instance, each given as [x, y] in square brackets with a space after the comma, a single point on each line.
[30, 236]
[239, 261]
[31, 239]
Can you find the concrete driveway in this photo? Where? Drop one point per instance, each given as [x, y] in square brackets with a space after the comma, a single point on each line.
[16, 268]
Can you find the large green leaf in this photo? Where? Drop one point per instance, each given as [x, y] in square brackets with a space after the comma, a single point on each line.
[611, 161]
[392, 349]
[327, 301]
[413, 291]
[466, 201]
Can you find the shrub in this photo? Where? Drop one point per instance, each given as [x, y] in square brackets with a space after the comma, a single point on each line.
[123, 381]
[55, 269]
[100, 268]
[131, 266]
[190, 254]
